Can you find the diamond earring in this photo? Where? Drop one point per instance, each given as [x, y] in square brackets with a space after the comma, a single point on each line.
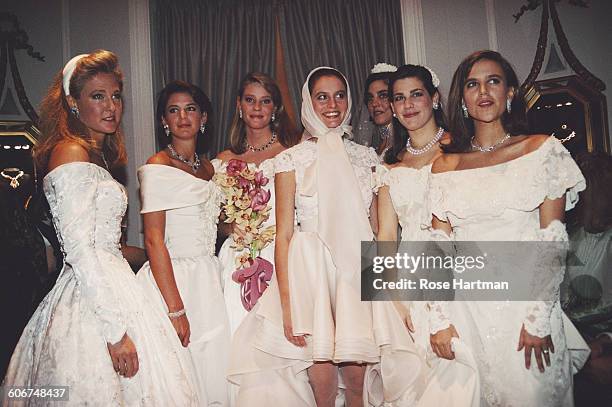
[509, 105]
[240, 113]
[202, 128]
[167, 130]
[464, 108]
[75, 111]
[273, 117]
[436, 105]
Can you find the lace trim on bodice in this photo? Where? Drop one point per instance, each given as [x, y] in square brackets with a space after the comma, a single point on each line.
[302, 156]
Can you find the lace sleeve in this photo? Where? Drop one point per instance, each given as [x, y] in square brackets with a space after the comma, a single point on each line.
[72, 190]
[435, 197]
[283, 162]
[561, 175]
[549, 271]
[378, 177]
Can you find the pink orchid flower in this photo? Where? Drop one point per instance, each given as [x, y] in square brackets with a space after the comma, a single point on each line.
[234, 167]
[259, 199]
[260, 179]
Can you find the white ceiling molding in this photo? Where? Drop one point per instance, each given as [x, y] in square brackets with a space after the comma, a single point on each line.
[413, 32]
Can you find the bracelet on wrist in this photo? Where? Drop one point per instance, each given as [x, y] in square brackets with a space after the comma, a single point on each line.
[176, 314]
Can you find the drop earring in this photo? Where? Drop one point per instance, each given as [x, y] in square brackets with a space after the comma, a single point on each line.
[202, 128]
[435, 105]
[167, 130]
[464, 108]
[75, 111]
[240, 113]
[273, 117]
[509, 105]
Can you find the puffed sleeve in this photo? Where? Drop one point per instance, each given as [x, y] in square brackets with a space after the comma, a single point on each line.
[561, 175]
[71, 190]
[283, 162]
[379, 175]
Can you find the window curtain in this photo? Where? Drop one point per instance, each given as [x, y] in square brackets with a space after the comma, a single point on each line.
[350, 35]
[214, 44]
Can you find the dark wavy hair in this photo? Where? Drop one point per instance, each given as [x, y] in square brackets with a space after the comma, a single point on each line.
[462, 128]
[400, 133]
[373, 77]
[201, 100]
[287, 135]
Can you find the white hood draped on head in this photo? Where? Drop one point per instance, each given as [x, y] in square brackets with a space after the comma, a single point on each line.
[343, 218]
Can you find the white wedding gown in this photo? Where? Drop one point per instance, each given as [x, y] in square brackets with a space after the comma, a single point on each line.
[227, 255]
[192, 208]
[501, 203]
[95, 300]
[409, 374]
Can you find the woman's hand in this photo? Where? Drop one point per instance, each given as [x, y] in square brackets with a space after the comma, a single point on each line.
[299, 340]
[441, 342]
[540, 346]
[182, 328]
[124, 356]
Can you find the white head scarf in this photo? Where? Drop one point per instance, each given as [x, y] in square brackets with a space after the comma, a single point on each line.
[311, 121]
[68, 71]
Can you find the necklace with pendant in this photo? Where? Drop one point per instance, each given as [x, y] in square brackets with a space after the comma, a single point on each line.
[264, 147]
[426, 147]
[195, 164]
[14, 180]
[491, 147]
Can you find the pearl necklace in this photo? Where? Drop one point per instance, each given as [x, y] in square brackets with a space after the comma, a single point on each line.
[195, 164]
[14, 180]
[427, 147]
[264, 147]
[491, 147]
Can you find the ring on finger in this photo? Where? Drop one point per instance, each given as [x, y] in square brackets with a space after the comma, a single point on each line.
[545, 351]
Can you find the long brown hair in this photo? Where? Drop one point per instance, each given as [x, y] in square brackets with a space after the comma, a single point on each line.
[58, 125]
[462, 128]
[286, 132]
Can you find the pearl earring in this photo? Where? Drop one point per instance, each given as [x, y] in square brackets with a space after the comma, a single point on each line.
[240, 113]
[436, 105]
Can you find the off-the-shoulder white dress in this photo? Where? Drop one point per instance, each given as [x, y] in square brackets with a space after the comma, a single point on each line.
[192, 209]
[95, 301]
[501, 203]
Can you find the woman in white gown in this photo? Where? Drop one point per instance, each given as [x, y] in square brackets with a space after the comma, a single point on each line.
[260, 130]
[181, 207]
[501, 185]
[407, 367]
[95, 331]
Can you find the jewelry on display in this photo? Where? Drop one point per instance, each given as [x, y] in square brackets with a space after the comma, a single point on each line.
[427, 147]
[176, 314]
[195, 164]
[491, 147]
[264, 147]
[14, 180]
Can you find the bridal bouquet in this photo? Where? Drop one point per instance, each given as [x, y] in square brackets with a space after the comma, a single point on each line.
[247, 205]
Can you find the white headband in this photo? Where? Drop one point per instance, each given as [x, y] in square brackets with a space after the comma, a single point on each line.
[68, 71]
